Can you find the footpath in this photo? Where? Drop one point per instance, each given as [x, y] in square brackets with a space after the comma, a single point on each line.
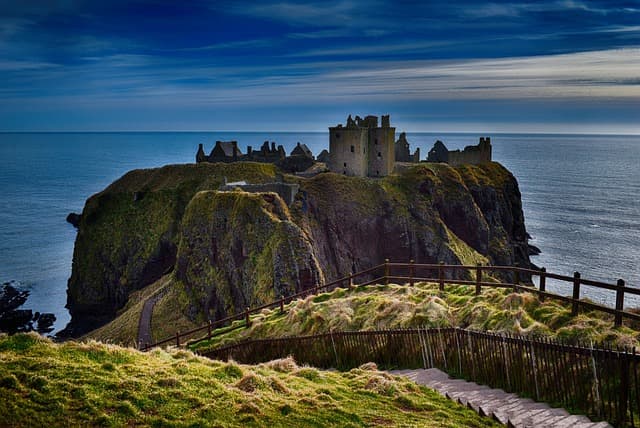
[144, 325]
[506, 408]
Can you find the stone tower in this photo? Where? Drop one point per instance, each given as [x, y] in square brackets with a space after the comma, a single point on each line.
[362, 148]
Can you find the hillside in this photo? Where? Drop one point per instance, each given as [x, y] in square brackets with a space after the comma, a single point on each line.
[378, 307]
[92, 384]
[220, 252]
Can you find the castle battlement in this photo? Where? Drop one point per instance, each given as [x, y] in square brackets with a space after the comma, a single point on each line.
[362, 148]
[473, 155]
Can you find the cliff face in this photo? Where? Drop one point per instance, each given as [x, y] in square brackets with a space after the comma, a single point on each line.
[234, 249]
[128, 234]
[428, 213]
[240, 250]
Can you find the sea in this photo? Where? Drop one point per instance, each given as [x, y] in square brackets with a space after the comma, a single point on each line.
[580, 194]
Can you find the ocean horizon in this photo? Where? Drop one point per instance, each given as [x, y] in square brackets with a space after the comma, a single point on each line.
[580, 195]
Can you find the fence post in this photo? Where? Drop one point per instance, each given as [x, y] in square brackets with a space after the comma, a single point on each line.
[177, 338]
[209, 330]
[350, 281]
[441, 275]
[543, 283]
[576, 293]
[624, 391]
[516, 278]
[411, 267]
[619, 303]
[246, 318]
[478, 279]
[386, 271]
[282, 303]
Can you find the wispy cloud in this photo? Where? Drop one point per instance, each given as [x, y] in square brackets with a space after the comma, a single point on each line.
[313, 14]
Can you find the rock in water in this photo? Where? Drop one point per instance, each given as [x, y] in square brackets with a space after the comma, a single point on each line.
[17, 320]
[533, 250]
[14, 320]
[45, 323]
[11, 298]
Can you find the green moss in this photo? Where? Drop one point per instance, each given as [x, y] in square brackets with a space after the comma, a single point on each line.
[178, 388]
[135, 221]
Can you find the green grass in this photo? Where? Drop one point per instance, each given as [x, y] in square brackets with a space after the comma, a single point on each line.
[123, 330]
[93, 384]
[399, 306]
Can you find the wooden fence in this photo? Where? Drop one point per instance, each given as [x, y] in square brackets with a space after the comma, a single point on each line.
[513, 277]
[597, 381]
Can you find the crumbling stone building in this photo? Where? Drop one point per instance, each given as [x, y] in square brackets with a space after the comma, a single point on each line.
[362, 148]
[300, 159]
[228, 151]
[470, 155]
[403, 154]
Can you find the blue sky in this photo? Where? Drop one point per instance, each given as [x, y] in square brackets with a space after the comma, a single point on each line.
[543, 66]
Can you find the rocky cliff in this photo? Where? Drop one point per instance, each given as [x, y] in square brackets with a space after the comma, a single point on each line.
[229, 250]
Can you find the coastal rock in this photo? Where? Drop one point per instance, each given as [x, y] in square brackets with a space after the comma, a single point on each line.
[14, 320]
[74, 219]
[45, 323]
[17, 320]
[239, 250]
[11, 298]
[124, 244]
[236, 249]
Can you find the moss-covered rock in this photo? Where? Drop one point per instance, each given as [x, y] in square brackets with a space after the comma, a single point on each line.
[239, 250]
[234, 249]
[128, 233]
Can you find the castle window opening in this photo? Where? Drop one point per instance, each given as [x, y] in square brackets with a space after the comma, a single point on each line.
[379, 155]
[375, 142]
[353, 149]
[345, 164]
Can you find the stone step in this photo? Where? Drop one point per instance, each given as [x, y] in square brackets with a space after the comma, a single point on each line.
[541, 418]
[506, 408]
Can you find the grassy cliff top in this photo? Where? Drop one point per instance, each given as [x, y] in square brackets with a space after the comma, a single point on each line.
[92, 384]
[376, 307]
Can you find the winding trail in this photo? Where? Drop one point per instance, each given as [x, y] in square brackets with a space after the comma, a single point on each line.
[506, 408]
[144, 325]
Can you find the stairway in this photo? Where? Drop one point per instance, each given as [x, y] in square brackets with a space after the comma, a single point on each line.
[506, 408]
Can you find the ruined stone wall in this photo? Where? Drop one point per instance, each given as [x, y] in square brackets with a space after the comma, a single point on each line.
[348, 150]
[286, 191]
[472, 154]
[381, 159]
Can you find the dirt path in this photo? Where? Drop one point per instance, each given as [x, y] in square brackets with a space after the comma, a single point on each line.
[144, 325]
[506, 408]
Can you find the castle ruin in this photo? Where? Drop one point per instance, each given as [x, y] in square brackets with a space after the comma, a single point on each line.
[362, 148]
[403, 154]
[299, 160]
[359, 148]
[472, 155]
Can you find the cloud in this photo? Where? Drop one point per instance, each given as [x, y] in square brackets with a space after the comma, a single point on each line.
[325, 14]
[611, 74]
[238, 44]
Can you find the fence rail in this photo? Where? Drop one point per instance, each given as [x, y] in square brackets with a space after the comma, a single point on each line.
[409, 273]
[600, 382]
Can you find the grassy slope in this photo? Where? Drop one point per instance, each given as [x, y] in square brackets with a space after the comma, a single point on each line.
[395, 306]
[45, 384]
[124, 328]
